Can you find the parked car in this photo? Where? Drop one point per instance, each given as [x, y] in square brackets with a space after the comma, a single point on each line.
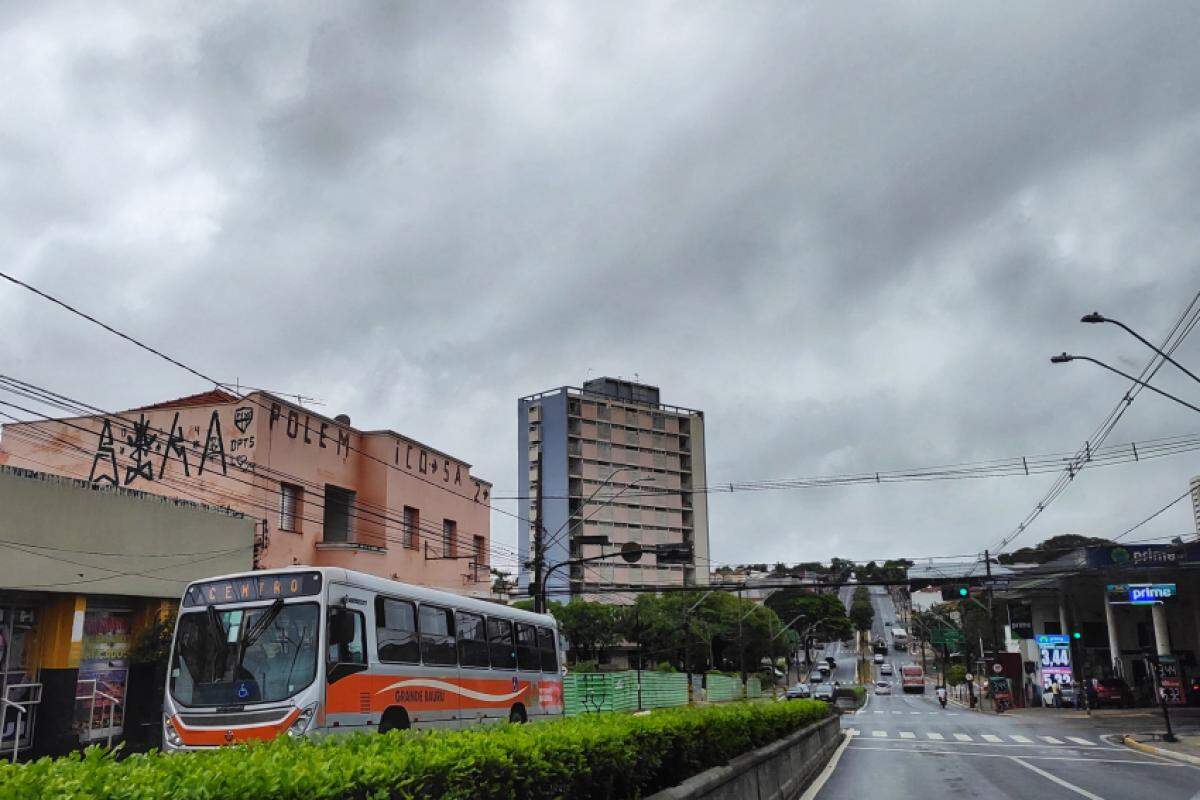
[798, 691]
[885, 669]
[823, 691]
[1110, 691]
[883, 687]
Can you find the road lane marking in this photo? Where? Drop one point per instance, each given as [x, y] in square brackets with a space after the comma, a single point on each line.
[897, 712]
[1052, 777]
[962, 737]
[1021, 739]
[1050, 740]
[877, 711]
[1148, 762]
[937, 737]
[879, 734]
[907, 735]
[1081, 740]
[918, 713]
[990, 737]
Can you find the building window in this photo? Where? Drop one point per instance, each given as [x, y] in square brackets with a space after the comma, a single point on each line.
[449, 534]
[339, 525]
[604, 451]
[631, 417]
[602, 412]
[291, 499]
[659, 422]
[412, 521]
[603, 430]
[480, 548]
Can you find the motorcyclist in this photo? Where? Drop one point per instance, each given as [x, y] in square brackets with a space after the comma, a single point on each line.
[941, 695]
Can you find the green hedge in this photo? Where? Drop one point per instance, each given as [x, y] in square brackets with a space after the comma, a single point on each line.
[606, 756]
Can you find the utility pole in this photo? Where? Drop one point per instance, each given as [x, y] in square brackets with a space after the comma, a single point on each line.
[539, 598]
[741, 652]
[987, 561]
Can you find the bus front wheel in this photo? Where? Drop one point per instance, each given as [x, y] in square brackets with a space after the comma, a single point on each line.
[394, 719]
[517, 715]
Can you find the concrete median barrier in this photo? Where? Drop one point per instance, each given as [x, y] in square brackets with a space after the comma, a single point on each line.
[780, 771]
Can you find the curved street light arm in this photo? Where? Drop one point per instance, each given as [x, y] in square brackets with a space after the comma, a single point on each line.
[1065, 358]
[1097, 317]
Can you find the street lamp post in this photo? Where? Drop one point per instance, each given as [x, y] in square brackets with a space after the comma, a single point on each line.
[1096, 317]
[1066, 357]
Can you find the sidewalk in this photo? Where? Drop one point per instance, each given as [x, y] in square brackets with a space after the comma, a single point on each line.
[1187, 749]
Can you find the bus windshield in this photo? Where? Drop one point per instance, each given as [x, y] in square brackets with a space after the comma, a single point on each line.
[244, 655]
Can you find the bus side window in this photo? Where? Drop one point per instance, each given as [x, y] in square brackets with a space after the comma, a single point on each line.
[549, 655]
[437, 636]
[472, 640]
[396, 631]
[527, 648]
[500, 643]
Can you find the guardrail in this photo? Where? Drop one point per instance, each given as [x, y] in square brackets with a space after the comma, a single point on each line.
[113, 704]
[21, 707]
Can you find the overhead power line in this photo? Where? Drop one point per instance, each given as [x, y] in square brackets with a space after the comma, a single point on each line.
[1183, 326]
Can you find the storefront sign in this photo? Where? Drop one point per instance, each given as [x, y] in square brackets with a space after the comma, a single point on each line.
[1020, 620]
[1139, 594]
[103, 670]
[1142, 555]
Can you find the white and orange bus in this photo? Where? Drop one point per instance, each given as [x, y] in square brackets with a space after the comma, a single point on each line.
[311, 649]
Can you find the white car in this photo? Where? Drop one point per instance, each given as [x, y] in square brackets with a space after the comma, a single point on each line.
[885, 669]
[883, 687]
[879, 658]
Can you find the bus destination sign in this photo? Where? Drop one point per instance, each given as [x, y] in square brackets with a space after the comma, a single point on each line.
[255, 587]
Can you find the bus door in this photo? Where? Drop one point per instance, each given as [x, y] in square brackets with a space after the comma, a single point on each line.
[347, 697]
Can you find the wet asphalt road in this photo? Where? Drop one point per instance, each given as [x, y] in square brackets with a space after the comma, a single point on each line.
[906, 746]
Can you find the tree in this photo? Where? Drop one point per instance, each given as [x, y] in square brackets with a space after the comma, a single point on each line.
[820, 615]
[862, 614]
[1051, 549]
[589, 627]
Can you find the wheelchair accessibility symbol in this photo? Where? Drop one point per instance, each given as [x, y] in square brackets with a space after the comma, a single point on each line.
[243, 691]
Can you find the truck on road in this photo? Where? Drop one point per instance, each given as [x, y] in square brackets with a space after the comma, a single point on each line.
[899, 638]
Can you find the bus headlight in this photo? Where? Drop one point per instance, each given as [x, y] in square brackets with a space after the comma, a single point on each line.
[304, 721]
[170, 735]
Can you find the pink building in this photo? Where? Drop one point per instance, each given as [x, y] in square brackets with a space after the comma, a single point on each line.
[325, 493]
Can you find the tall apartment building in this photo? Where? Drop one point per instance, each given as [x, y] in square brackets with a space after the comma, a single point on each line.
[613, 461]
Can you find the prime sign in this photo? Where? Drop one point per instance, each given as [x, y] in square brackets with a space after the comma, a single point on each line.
[1139, 594]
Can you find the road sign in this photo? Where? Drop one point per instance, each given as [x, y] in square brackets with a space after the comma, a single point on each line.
[947, 636]
[970, 676]
[997, 668]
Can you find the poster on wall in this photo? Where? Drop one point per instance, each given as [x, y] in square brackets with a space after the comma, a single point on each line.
[103, 670]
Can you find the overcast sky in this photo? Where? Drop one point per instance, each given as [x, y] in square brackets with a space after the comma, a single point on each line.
[851, 236]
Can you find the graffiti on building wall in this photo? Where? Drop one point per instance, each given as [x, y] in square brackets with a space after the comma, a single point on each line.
[141, 442]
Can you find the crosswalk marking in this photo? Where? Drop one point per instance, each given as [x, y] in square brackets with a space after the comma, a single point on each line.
[937, 737]
[962, 737]
[990, 737]
[1050, 740]
[1021, 739]
[897, 712]
[907, 735]
[879, 734]
[877, 711]
[1081, 740]
[918, 713]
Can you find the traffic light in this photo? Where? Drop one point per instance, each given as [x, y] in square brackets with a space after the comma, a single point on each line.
[956, 592]
[1076, 635]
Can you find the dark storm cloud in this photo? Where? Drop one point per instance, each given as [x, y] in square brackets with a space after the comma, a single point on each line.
[852, 236]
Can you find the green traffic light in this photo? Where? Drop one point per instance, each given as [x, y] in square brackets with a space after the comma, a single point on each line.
[963, 591]
[1076, 635]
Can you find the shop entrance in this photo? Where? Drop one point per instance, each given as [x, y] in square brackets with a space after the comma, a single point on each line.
[18, 678]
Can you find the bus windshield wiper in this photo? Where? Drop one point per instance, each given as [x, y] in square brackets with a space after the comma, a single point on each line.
[256, 631]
